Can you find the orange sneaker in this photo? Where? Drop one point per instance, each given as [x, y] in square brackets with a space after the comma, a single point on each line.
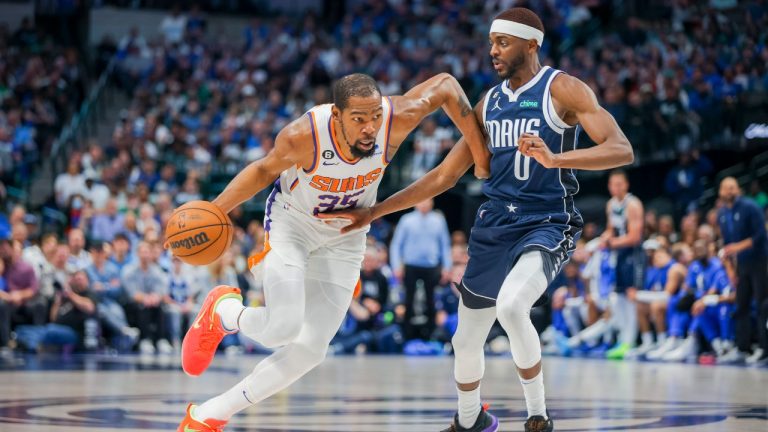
[191, 425]
[203, 337]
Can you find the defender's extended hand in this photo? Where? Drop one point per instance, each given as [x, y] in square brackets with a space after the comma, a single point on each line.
[358, 217]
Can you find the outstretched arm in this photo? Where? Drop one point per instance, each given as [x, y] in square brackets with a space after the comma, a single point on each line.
[438, 180]
[442, 91]
[613, 148]
[293, 146]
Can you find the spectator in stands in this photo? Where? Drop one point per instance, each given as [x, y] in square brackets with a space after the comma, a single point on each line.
[41, 258]
[684, 181]
[180, 302]
[569, 311]
[147, 221]
[146, 286]
[222, 271]
[94, 191]
[26, 305]
[167, 182]
[94, 160]
[174, 26]
[69, 183]
[79, 258]
[427, 147]
[108, 292]
[62, 269]
[121, 251]
[758, 195]
[5, 312]
[420, 251]
[742, 226]
[667, 228]
[105, 225]
[73, 305]
[20, 233]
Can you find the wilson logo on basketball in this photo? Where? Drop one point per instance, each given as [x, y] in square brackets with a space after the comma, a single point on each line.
[191, 241]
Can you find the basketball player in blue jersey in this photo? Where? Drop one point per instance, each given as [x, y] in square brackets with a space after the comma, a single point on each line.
[527, 229]
[662, 279]
[624, 236]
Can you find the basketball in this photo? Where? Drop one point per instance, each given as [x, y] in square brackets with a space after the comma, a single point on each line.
[198, 232]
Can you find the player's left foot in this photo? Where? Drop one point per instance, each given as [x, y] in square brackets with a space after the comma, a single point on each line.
[618, 352]
[538, 423]
[485, 423]
[204, 335]
[189, 424]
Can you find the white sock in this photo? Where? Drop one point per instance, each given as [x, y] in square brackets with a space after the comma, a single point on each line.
[662, 337]
[647, 338]
[229, 311]
[469, 407]
[534, 395]
[224, 406]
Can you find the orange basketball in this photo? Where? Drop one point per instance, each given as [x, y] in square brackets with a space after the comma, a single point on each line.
[198, 232]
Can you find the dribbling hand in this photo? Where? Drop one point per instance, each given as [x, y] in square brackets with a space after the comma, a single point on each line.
[358, 218]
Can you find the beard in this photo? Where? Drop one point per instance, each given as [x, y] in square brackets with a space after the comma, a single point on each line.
[356, 149]
[358, 152]
[512, 67]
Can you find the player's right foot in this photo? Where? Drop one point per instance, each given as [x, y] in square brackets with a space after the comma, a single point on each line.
[485, 423]
[206, 332]
[538, 423]
[189, 424]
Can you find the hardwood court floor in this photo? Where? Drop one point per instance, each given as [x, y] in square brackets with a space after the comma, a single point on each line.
[369, 393]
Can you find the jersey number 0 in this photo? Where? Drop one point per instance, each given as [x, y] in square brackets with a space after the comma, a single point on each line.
[522, 166]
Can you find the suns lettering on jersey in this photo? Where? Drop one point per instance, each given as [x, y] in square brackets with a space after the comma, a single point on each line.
[336, 185]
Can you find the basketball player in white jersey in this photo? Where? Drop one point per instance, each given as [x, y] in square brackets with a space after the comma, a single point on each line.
[329, 159]
[624, 237]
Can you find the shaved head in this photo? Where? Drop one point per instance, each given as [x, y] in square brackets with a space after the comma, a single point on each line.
[729, 190]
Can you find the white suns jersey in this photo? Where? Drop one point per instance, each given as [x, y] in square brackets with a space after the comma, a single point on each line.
[334, 182]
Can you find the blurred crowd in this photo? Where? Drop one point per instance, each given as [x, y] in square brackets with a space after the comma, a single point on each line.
[41, 85]
[203, 105]
[702, 294]
[207, 104]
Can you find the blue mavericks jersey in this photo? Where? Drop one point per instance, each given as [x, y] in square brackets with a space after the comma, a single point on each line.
[519, 179]
[656, 278]
[701, 279]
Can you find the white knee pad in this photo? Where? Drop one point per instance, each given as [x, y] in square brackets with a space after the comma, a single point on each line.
[522, 287]
[469, 341]
[281, 329]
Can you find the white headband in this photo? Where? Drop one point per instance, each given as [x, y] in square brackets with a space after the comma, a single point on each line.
[517, 29]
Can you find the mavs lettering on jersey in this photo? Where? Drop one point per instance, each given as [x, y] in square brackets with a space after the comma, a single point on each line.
[517, 178]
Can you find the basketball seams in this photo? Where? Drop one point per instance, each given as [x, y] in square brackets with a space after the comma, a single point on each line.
[224, 223]
[196, 228]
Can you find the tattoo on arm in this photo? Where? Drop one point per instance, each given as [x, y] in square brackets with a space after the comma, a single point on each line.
[466, 108]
